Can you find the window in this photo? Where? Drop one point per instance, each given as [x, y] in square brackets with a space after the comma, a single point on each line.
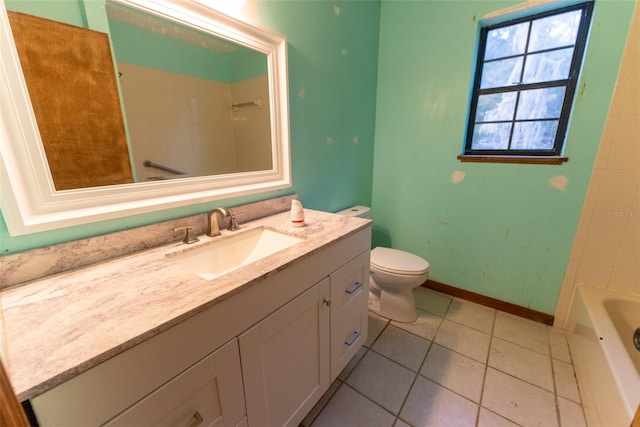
[525, 80]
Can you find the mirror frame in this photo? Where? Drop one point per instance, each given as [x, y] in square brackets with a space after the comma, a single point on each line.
[29, 201]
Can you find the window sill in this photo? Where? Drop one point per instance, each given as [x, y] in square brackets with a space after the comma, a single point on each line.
[532, 160]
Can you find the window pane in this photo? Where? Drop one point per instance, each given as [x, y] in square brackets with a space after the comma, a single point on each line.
[555, 31]
[491, 136]
[542, 67]
[534, 135]
[496, 107]
[501, 73]
[506, 41]
[540, 103]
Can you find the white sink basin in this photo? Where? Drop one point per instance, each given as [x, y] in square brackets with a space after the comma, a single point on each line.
[228, 253]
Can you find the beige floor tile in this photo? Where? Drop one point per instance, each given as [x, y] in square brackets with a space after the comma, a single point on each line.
[432, 301]
[382, 380]
[350, 408]
[400, 423]
[559, 345]
[518, 401]
[464, 340]
[374, 328]
[522, 363]
[425, 326]
[455, 372]
[430, 404]
[352, 364]
[566, 384]
[322, 403]
[524, 332]
[571, 414]
[489, 419]
[402, 347]
[475, 316]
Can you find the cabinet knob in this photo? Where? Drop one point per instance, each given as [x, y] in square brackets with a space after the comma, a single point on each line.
[327, 302]
[197, 420]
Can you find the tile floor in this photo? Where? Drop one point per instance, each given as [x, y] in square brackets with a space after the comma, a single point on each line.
[458, 364]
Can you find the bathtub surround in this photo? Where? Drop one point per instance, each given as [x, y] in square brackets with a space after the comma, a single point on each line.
[505, 230]
[607, 242]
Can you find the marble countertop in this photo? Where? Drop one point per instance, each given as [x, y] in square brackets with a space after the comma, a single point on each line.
[61, 325]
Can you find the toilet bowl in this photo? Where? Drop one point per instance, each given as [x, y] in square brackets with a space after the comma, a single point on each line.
[394, 276]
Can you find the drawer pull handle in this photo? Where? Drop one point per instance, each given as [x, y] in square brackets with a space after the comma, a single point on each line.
[197, 420]
[353, 338]
[354, 288]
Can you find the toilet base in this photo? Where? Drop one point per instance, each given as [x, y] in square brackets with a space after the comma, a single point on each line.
[398, 306]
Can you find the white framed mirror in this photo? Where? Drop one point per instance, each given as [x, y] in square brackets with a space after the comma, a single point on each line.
[31, 200]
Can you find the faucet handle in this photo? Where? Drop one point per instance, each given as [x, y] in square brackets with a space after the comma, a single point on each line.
[188, 238]
[233, 224]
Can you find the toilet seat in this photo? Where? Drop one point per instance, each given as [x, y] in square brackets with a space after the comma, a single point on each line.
[394, 261]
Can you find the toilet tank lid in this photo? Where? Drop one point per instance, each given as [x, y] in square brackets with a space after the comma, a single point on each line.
[359, 211]
[397, 261]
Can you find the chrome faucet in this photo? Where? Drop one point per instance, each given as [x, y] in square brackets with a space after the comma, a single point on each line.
[212, 216]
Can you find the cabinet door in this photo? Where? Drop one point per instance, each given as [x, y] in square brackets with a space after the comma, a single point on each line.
[285, 360]
[209, 393]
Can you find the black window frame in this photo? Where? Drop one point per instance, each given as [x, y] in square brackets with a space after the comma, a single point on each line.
[569, 83]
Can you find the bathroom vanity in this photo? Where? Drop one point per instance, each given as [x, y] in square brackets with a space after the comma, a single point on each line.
[141, 340]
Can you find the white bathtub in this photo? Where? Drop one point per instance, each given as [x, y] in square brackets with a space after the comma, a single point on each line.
[600, 330]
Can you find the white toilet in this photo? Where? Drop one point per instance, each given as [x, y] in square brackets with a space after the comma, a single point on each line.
[394, 276]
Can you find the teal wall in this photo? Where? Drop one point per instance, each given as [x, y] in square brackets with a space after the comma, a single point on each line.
[332, 107]
[503, 231]
[141, 47]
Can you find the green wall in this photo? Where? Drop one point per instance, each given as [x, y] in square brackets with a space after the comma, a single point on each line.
[332, 108]
[503, 230]
[141, 47]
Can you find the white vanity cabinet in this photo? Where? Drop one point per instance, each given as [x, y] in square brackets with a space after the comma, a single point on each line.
[209, 393]
[285, 360]
[260, 358]
[290, 358]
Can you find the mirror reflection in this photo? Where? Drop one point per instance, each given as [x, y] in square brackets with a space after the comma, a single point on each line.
[178, 103]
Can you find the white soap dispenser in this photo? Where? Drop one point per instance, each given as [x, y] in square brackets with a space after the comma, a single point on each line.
[297, 214]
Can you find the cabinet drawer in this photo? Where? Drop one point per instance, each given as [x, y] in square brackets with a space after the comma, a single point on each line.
[349, 336]
[348, 285]
[209, 393]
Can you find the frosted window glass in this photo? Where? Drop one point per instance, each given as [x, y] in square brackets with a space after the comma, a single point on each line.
[491, 136]
[540, 103]
[506, 41]
[501, 73]
[548, 66]
[496, 107]
[534, 135]
[555, 31]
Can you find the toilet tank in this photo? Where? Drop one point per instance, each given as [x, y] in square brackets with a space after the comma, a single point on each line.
[359, 211]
